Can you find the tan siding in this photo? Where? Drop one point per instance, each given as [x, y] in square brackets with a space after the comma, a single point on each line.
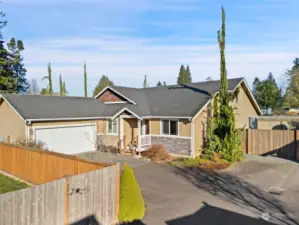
[155, 126]
[185, 128]
[269, 124]
[10, 123]
[200, 123]
[244, 109]
[101, 126]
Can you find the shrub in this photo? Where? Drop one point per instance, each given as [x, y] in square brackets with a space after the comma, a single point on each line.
[201, 163]
[157, 153]
[107, 149]
[131, 204]
[31, 144]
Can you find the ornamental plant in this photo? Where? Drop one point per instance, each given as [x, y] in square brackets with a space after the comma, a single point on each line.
[131, 203]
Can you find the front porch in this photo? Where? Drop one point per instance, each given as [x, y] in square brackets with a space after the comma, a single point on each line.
[134, 134]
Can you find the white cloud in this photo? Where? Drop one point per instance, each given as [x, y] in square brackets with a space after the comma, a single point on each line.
[126, 60]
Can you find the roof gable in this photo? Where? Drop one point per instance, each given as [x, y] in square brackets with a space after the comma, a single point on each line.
[109, 94]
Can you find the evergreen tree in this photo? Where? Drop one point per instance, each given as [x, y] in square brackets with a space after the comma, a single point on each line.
[267, 93]
[159, 84]
[103, 82]
[85, 80]
[145, 82]
[60, 85]
[15, 48]
[255, 83]
[188, 74]
[164, 83]
[131, 202]
[291, 98]
[44, 91]
[49, 78]
[8, 79]
[223, 138]
[64, 91]
[182, 75]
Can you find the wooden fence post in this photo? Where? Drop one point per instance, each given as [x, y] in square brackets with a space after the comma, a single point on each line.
[297, 144]
[117, 191]
[248, 141]
[67, 201]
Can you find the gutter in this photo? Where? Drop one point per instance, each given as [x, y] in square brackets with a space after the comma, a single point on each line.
[29, 121]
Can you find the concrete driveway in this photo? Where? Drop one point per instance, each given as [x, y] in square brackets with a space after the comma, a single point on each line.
[238, 195]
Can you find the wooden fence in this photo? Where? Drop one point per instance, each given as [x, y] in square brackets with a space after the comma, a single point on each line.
[283, 143]
[39, 166]
[86, 199]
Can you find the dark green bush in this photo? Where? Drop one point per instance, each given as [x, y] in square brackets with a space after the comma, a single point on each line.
[131, 203]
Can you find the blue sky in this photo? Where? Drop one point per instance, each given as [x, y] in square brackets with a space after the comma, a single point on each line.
[130, 38]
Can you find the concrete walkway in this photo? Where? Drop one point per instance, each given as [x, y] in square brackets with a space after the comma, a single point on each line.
[112, 158]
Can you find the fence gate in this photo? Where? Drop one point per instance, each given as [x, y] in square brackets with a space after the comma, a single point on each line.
[283, 143]
[93, 197]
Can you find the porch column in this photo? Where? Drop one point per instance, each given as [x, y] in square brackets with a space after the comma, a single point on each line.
[139, 134]
[121, 132]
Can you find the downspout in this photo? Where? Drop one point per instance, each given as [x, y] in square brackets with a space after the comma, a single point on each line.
[28, 124]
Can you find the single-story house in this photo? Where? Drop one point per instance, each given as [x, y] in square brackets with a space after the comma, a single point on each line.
[174, 116]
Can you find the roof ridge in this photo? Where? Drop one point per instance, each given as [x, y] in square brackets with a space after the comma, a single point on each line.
[175, 85]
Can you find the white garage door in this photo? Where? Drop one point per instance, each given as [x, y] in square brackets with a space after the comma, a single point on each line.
[68, 139]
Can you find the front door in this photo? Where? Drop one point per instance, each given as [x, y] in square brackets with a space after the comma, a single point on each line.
[130, 131]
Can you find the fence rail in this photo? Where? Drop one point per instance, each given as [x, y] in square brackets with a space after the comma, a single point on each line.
[283, 143]
[38, 166]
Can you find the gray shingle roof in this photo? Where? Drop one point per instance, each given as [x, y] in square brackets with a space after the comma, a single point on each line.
[53, 107]
[172, 101]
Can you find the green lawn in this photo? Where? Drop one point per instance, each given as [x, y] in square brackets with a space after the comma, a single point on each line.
[8, 184]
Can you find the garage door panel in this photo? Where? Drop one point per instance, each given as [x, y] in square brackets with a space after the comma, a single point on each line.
[68, 140]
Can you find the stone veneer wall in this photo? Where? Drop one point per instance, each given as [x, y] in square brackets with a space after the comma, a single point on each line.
[174, 145]
[108, 140]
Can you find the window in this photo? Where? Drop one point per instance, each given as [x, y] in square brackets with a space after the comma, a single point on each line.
[170, 127]
[112, 127]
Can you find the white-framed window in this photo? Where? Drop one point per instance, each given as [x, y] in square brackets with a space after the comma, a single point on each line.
[112, 127]
[170, 127]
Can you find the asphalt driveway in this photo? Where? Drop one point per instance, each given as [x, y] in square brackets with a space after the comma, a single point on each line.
[238, 195]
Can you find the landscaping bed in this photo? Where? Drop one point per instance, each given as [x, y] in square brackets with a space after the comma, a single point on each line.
[8, 184]
[201, 163]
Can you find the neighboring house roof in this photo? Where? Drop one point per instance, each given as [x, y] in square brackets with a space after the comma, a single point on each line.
[181, 101]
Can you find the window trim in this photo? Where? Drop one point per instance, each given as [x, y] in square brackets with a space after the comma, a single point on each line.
[107, 127]
[171, 135]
